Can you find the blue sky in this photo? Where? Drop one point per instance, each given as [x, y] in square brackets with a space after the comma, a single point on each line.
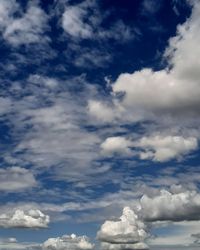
[99, 127]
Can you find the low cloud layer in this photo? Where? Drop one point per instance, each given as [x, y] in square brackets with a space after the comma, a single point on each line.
[128, 230]
[137, 246]
[68, 242]
[171, 207]
[20, 219]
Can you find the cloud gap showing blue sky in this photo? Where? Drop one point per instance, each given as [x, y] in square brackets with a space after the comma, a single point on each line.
[99, 112]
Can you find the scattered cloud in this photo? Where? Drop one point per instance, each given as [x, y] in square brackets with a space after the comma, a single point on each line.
[26, 29]
[73, 24]
[14, 179]
[164, 148]
[62, 129]
[159, 148]
[84, 21]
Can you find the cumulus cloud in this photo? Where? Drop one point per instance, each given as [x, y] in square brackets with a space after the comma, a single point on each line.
[180, 210]
[28, 28]
[15, 178]
[118, 144]
[163, 148]
[137, 246]
[156, 147]
[33, 218]
[129, 229]
[167, 206]
[68, 242]
[175, 92]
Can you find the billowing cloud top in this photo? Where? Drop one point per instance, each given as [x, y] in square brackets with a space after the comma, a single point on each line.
[33, 218]
[147, 94]
[173, 207]
[129, 229]
[68, 242]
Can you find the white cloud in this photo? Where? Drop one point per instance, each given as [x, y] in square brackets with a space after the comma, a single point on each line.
[136, 246]
[33, 218]
[129, 229]
[171, 207]
[156, 147]
[149, 94]
[83, 21]
[101, 111]
[26, 29]
[118, 144]
[73, 22]
[68, 242]
[48, 127]
[15, 178]
[163, 148]
[7, 9]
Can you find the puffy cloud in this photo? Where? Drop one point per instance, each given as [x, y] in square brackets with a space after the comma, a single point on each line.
[68, 242]
[175, 91]
[183, 50]
[15, 178]
[167, 206]
[157, 147]
[33, 218]
[163, 148]
[129, 229]
[116, 144]
[136, 246]
[26, 29]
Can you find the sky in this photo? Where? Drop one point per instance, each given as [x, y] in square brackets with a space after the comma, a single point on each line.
[99, 109]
